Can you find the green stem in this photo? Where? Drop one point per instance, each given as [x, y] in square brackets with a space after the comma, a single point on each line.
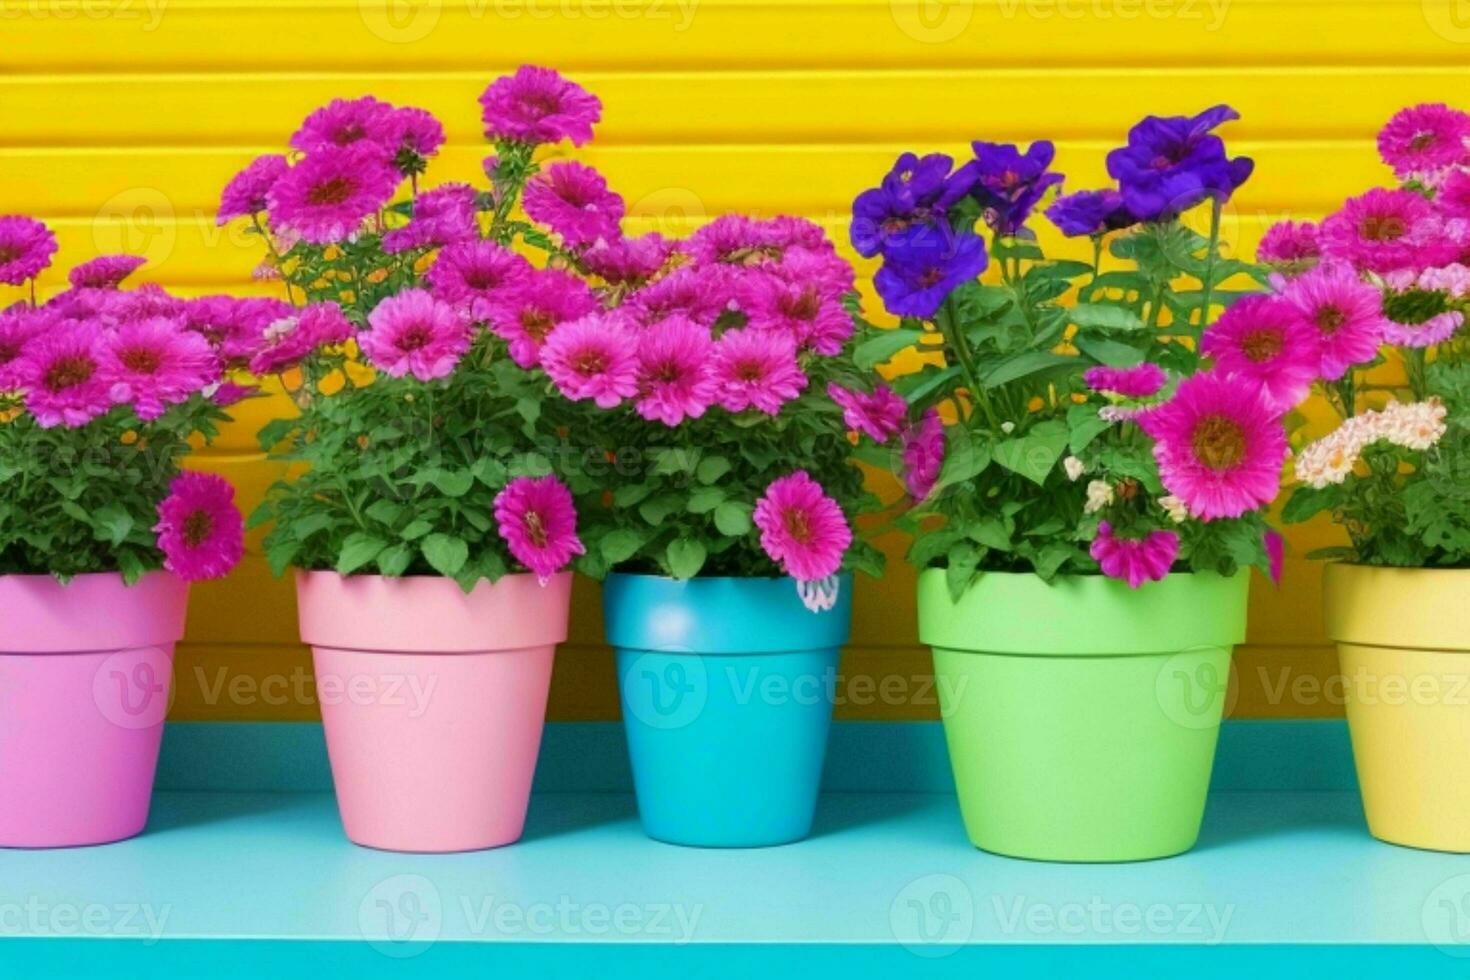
[1216, 206]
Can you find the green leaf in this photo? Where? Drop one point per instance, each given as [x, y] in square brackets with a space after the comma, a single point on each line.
[454, 483]
[445, 553]
[631, 493]
[990, 532]
[620, 545]
[685, 558]
[732, 518]
[712, 468]
[280, 552]
[963, 559]
[1034, 455]
[490, 472]
[964, 459]
[112, 523]
[359, 549]
[394, 560]
[1085, 426]
[1105, 316]
[883, 346]
[1024, 365]
[655, 510]
[306, 526]
[383, 511]
[702, 500]
[1109, 352]
[416, 529]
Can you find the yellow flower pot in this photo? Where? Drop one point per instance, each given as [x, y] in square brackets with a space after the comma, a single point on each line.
[1403, 636]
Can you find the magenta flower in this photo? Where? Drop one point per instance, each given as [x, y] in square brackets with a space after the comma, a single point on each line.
[701, 294]
[1345, 313]
[442, 216]
[595, 357]
[105, 271]
[414, 333]
[228, 393]
[348, 122]
[1453, 195]
[326, 196]
[292, 339]
[26, 247]
[234, 327]
[152, 364]
[1290, 247]
[737, 239]
[1264, 340]
[814, 319]
[879, 415]
[148, 300]
[923, 454]
[756, 370]
[200, 533]
[573, 200]
[18, 325]
[1135, 560]
[1220, 445]
[627, 261]
[1142, 381]
[538, 105]
[1384, 230]
[1436, 330]
[802, 529]
[248, 192]
[416, 136]
[60, 371]
[538, 523]
[471, 274]
[1424, 139]
[675, 380]
[526, 313]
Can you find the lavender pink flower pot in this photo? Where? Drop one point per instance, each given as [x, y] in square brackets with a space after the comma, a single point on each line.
[85, 672]
[433, 702]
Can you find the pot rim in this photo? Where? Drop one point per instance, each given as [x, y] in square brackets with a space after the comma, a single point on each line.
[93, 612]
[1395, 607]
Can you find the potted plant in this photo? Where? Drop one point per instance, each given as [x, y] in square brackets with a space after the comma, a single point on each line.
[1085, 494]
[430, 537]
[1387, 278]
[101, 391]
[707, 404]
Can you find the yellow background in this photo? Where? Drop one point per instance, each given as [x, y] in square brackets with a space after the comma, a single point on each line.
[120, 120]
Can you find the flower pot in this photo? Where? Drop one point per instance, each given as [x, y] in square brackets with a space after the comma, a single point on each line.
[85, 671]
[727, 688]
[1403, 638]
[433, 702]
[1081, 716]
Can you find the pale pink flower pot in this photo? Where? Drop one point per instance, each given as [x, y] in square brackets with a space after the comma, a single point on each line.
[85, 672]
[433, 702]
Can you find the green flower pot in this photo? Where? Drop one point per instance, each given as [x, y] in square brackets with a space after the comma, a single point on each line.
[1082, 715]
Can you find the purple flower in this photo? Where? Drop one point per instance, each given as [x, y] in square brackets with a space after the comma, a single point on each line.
[526, 313]
[292, 339]
[326, 196]
[472, 274]
[538, 105]
[878, 415]
[623, 261]
[1173, 163]
[26, 247]
[675, 376]
[1290, 247]
[915, 281]
[60, 371]
[1143, 381]
[18, 325]
[1090, 213]
[537, 519]
[923, 454]
[1135, 560]
[416, 135]
[916, 191]
[1007, 183]
[247, 192]
[152, 364]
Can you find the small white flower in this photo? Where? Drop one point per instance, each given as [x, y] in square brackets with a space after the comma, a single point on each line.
[1008, 427]
[1177, 509]
[1074, 467]
[1099, 495]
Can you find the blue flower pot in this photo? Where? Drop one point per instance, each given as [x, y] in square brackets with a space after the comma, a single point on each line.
[727, 689]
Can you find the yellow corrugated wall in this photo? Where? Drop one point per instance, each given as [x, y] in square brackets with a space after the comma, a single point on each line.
[121, 119]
